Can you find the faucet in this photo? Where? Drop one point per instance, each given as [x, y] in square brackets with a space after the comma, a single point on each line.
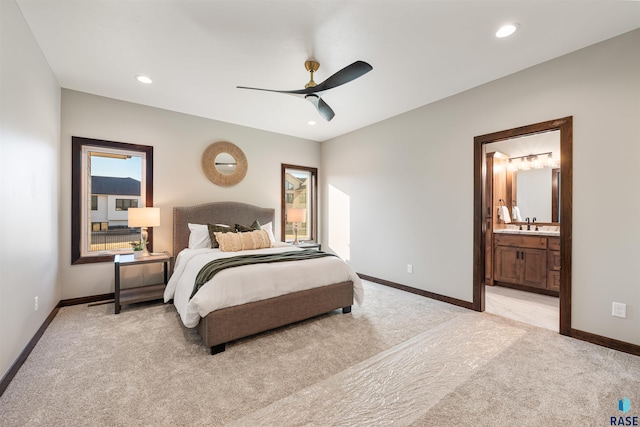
[528, 223]
[534, 221]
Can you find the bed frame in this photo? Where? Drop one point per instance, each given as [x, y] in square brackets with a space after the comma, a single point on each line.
[222, 326]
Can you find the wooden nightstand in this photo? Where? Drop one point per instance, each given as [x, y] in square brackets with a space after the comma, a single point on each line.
[309, 245]
[141, 293]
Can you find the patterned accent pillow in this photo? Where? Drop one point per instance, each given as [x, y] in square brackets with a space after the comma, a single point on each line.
[218, 228]
[234, 242]
[243, 228]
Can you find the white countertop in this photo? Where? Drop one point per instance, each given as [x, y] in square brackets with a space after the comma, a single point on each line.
[531, 232]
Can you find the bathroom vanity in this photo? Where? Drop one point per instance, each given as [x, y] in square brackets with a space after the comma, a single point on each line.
[521, 252]
[528, 260]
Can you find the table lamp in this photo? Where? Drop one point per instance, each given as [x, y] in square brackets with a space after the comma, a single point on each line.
[143, 218]
[296, 215]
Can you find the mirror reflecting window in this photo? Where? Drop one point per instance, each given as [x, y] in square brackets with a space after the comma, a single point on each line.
[225, 163]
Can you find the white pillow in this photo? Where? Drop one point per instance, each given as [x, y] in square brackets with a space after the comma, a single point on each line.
[199, 237]
[268, 227]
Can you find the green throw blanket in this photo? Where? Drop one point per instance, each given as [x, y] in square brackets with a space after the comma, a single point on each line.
[211, 268]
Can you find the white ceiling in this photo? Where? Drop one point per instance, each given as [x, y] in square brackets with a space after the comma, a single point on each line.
[197, 52]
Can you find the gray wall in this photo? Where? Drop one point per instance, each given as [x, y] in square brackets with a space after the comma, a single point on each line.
[401, 191]
[29, 168]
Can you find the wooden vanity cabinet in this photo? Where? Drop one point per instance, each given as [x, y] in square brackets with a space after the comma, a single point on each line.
[520, 260]
[507, 266]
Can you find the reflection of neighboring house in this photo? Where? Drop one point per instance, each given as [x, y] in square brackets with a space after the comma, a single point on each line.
[111, 197]
[295, 191]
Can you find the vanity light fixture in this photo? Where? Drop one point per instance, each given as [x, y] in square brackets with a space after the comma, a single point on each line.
[144, 79]
[311, 123]
[532, 161]
[535, 163]
[506, 30]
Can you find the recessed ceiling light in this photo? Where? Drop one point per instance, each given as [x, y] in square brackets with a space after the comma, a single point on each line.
[144, 79]
[506, 30]
[311, 123]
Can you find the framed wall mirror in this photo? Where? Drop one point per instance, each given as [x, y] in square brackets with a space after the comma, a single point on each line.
[224, 163]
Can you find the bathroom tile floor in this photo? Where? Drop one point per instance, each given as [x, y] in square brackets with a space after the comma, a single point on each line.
[533, 309]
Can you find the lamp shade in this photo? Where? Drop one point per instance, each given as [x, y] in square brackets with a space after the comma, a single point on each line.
[144, 217]
[296, 215]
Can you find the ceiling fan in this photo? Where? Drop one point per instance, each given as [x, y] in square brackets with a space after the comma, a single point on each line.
[312, 90]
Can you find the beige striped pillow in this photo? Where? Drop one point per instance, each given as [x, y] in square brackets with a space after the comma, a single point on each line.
[234, 242]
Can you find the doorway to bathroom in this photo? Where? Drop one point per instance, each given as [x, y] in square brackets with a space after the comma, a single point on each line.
[513, 253]
[522, 194]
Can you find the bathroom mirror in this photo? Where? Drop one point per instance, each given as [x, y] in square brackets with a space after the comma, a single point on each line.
[535, 191]
[224, 163]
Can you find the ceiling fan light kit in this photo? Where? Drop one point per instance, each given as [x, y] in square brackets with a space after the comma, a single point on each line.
[312, 90]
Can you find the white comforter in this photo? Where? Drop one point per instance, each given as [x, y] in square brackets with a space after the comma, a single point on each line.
[239, 285]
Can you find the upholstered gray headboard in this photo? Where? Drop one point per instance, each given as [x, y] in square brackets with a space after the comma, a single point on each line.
[215, 213]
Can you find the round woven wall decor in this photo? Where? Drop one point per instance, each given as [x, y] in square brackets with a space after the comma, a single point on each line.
[209, 164]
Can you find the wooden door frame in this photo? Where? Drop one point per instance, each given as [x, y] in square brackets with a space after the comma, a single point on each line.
[565, 126]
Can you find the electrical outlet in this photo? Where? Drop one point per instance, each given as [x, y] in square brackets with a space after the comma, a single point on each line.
[35, 307]
[619, 310]
[409, 268]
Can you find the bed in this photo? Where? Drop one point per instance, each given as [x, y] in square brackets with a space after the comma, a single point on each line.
[325, 287]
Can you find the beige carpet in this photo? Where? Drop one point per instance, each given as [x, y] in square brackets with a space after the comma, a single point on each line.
[400, 359]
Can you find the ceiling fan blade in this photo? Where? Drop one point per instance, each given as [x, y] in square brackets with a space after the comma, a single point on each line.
[347, 74]
[323, 108]
[298, 92]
